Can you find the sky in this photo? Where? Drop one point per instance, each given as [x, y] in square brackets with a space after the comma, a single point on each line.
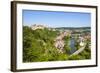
[56, 19]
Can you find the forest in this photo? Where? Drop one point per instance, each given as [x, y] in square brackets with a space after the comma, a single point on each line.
[38, 46]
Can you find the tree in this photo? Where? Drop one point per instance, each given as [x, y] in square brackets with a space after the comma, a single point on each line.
[38, 45]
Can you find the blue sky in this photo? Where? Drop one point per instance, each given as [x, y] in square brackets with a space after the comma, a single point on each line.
[56, 19]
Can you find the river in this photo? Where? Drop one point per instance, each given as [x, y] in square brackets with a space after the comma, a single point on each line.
[72, 45]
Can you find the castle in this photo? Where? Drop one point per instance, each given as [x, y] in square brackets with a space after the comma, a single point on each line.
[37, 26]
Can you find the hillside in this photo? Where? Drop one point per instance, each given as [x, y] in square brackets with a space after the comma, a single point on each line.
[73, 28]
[38, 46]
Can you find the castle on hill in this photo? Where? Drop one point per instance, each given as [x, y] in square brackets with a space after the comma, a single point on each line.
[37, 26]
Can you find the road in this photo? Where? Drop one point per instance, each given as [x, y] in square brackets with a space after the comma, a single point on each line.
[78, 51]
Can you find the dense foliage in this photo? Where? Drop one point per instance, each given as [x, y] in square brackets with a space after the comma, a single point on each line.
[38, 46]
